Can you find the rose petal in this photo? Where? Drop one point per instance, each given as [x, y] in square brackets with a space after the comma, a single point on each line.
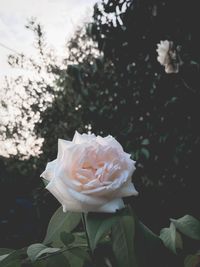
[57, 188]
[62, 145]
[86, 199]
[112, 206]
[83, 138]
[127, 190]
[109, 142]
[48, 174]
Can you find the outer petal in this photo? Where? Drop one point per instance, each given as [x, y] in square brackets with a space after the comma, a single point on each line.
[112, 206]
[83, 138]
[59, 191]
[82, 203]
[109, 141]
[62, 145]
[49, 172]
[66, 169]
[127, 190]
[86, 199]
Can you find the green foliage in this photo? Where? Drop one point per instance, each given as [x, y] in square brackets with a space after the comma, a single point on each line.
[98, 226]
[118, 239]
[188, 225]
[169, 237]
[60, 222]
[183, 231]
[67, 238]
[37, 250]
[192, 261]
[123, 235]
[14, 258]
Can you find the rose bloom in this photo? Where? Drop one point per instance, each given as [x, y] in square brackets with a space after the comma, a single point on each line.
[91, 173]
[168, 57]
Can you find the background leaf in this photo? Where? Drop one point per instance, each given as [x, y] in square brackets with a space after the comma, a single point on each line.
[147, 246]
[168, 236]
[191, 261]
[189, 226]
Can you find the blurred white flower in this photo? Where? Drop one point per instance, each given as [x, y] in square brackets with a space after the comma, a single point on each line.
[168, 56]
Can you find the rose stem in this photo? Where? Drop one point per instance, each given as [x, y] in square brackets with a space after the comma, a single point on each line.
[87, 237]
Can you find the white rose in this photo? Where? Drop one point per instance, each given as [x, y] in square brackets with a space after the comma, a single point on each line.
[168, 56]
[91, 173]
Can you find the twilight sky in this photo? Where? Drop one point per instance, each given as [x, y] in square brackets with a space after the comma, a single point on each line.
[59, 18]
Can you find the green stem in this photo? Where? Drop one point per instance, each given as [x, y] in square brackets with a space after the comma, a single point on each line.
[86, 233]
[88, 240]
[187, 86]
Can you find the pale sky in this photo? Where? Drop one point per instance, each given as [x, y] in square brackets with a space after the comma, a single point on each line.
[59, 18]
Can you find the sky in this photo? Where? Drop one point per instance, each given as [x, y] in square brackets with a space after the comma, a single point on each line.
[58, 17]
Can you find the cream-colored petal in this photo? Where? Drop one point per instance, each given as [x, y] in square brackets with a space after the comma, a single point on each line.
[126, 190]
[62, 145]
[86, 199]
[48, 174]
[59, 191]
[83, 138]
[112, 206]
[110, 142]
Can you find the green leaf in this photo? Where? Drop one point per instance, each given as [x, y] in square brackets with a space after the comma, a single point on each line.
[147, 246]
[80, 252]
[179, 241]
[98, 225]
[13, 259]
[61, 221]
[73, 258]
[168, 236]
[58, 260]
[34, 251]
[4, 251]
[12, 263]
[80, 238]
[145, 142]
[145, 152]
[189, 226]
[123, 234]
[191, 261]
[2, 257]
[39, 263]
[67, 238]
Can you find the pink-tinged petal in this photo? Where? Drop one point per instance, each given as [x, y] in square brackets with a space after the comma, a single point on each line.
[49, 172]
[59, 191]
[112, 206]
[86, 199]
[62, 145]
[109, 141]
[83, 138]
[126, 190]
